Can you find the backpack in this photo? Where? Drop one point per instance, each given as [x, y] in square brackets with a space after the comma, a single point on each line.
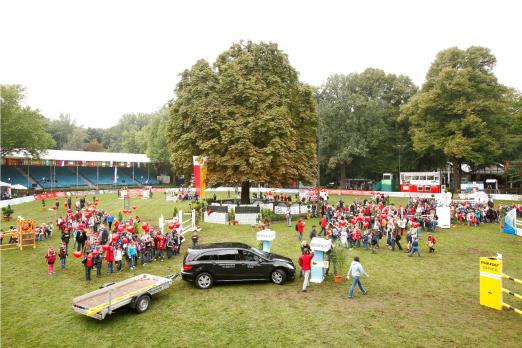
[296, 229]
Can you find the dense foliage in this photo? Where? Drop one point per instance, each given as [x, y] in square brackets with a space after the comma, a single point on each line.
[461, 113]
[23, 128]
[359, 123]
[249, 114]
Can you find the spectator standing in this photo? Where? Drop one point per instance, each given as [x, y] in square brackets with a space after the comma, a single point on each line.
[50, 256]
[62, 254]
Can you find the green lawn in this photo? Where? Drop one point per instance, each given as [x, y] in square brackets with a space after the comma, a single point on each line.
[427, 301]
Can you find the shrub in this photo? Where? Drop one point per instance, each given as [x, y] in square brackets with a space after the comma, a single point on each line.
[7, 211]
[267, 214]
[339, 258]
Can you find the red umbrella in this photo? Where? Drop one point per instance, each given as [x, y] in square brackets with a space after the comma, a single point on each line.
[171, 226]
[130, 229]
[77, 254]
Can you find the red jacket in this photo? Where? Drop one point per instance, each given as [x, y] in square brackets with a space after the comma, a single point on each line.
[323, 222]
[300, 227]
[109, 255]
[305, 261]
[161, 243]
[51, 257]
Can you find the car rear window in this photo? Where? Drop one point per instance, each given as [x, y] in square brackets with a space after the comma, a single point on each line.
[205, 257]
[227, 255]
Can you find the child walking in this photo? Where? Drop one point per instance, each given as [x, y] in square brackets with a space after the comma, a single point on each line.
[51, 258]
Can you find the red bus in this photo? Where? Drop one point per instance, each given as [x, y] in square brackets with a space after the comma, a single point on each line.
[421, 182]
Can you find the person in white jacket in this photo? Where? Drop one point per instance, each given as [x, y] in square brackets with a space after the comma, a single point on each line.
[355, 271]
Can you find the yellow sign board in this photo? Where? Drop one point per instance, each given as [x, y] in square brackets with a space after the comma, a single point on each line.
[491, 282]
[491, 265]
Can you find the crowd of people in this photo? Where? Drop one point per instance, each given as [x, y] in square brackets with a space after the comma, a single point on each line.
[101, 241]
[363, 224]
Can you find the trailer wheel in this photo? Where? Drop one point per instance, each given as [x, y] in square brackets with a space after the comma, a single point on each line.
[142, 303]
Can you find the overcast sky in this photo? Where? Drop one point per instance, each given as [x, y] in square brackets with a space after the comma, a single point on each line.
[97, 60]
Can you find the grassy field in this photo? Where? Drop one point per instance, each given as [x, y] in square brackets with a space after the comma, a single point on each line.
[427, 301]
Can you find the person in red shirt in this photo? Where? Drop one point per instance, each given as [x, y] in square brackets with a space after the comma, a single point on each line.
[50, 255]
[305, 261]
[109, 257]
[300, 228]
[161, 243]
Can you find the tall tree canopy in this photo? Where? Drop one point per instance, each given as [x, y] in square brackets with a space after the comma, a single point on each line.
[461, 114]
[156, 136]
[249, 114]
[359, 124]
[23, 128]
[62, 130]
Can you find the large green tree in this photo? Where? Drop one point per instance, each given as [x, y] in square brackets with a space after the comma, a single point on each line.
[23, 128]
[156, 135]
[62, 130]
[128, 134]
[359, 126]
[250, 115]
[461, 114]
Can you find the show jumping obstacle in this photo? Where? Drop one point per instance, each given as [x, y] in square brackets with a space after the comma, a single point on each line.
[491, 284]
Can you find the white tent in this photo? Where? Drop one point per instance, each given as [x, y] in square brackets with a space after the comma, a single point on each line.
[18, 187]
[4, 184]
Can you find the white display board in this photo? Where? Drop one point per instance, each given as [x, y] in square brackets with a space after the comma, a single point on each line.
[216, 218]
[268, 235]
[320, 244]
[444, 216]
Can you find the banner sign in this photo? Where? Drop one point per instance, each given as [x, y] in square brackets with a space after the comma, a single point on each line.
[200, 174]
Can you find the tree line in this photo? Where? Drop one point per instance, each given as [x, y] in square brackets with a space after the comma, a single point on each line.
[258, 123]
[26, 129]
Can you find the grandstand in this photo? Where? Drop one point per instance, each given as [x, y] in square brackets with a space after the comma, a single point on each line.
[68, 169]
[11, 175]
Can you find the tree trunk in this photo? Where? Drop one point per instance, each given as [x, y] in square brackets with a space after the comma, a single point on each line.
[245, 192]
[456, 177]
[342, 175]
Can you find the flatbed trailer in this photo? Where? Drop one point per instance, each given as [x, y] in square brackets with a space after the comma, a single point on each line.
[136, 292]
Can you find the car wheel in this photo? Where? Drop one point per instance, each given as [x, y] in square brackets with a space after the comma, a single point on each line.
[278, 277]
[142, 304]
[204, 280]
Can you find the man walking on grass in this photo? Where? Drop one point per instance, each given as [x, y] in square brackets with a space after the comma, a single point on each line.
[355, 272]
[305, 261]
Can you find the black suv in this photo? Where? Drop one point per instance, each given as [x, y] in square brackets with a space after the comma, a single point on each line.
[232, 262]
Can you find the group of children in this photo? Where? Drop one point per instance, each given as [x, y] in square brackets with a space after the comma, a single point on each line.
[473, 214]
[99, 238]
[366, 223]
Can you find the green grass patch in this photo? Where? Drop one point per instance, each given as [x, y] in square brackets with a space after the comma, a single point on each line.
[427, 301]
